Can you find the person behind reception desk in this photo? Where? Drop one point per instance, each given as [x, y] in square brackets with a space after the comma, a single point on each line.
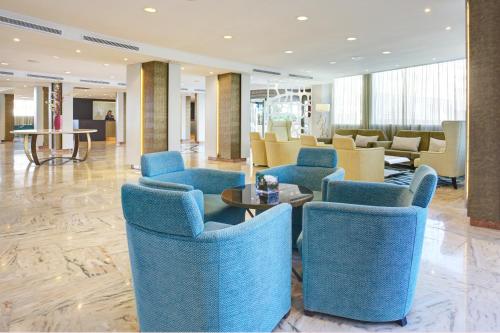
[109, 116]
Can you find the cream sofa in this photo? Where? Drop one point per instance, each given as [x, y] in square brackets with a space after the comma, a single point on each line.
[280, 152]
[258, 146]
[451, 162]
[311, 141]
[282, 129]
[365, 164]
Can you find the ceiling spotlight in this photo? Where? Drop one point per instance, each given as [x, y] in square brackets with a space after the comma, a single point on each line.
[386, 52]
[182, 68]
[125, 59]
[25, 86]
[228, 37]
[78, 51]
[302, 18]
[333, 62]
[55, 57]
[434, 59]
[288, 51]
[112, 77]
[4, 64]
[448, 28]
[17, 40]
[106, 65]
[427, 10]
[210, 73]
[150, 10]
[356, 58]
[67, 72]
[351, 39]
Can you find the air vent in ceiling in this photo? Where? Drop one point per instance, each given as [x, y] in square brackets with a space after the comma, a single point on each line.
[200, 90]
[82, 88]
[94, 81]
[298, 76]
[6, 73]
[29, 25]
[122, 84]
[36, 76]
[262, 71]
[110, 43]
[184, 89]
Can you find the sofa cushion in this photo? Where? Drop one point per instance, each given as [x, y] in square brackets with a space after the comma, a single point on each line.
[351, 132]
[405, 143]
[362, 141]
[339, 136]
[373, 132]
[218, 210]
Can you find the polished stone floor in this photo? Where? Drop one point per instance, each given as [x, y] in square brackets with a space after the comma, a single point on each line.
[64, 263]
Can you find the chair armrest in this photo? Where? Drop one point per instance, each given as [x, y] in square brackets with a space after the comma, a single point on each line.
[284, 173]
[211, 181]
[368, 193]
[337, 175]
[383, 144]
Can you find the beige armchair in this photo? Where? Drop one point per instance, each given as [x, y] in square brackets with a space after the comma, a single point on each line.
[282, 129]
[366, 164]
[311, 141]
[451, 162]
[280, 152]
[258, 146]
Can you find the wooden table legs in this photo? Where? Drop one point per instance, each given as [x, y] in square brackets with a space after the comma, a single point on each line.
[31, 154]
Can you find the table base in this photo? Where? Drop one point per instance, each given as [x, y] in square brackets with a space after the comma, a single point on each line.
[31, 153]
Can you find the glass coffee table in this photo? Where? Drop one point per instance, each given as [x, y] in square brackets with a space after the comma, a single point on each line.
[248, 198]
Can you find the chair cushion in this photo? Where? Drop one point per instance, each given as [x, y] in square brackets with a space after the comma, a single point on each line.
[211, 226]
[317, 157]
[218, 210]
[317, 196]
[401, 153]
[436, 145]
[154, 164]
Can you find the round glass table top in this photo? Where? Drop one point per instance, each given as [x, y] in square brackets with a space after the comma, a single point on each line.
[247, 196]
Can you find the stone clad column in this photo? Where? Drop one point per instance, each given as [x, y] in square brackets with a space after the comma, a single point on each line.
[483, 114]
[6, 117]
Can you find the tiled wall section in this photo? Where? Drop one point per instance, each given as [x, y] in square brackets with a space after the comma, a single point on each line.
[155, 106]
[484, 113]
[230, 116]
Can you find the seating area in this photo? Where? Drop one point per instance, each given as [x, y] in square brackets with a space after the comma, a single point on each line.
[249, 166]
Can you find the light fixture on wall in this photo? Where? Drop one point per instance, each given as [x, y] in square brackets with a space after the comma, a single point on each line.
[322, 122]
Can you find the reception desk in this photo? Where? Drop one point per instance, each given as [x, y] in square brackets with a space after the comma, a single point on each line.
[110, 130]
[106, 129]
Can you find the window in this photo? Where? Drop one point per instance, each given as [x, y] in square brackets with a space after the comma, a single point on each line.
[348, 101]
[24, 108]
[419, 96]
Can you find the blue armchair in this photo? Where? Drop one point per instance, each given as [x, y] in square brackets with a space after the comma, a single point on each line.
[361, 250]
[195, 276]
[166, 170]
[315, 168]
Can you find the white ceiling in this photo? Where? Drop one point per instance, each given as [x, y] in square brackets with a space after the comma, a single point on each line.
[262, 30]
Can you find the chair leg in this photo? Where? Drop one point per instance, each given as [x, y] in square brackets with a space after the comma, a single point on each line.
[454, 182]
[287, 314]
[308, 313]
[402, 322]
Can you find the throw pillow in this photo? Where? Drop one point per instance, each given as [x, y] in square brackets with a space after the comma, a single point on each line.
[407, 144]
[362, 141]
[338, 136]
[437, 145]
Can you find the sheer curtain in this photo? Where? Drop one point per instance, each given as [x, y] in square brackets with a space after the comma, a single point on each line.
[347, 102]
[24, 112]
[418, 97]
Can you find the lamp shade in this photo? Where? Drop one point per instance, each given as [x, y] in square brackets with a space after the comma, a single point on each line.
[322, 107]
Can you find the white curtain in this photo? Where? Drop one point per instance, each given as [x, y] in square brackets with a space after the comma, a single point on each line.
[347, 109]
[418, 97]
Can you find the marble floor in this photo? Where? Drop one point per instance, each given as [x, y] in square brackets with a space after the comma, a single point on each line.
[64, 263]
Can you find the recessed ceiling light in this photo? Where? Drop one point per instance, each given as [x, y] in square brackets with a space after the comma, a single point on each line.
[150, 10]
[210, 73]
[356, 58]
[125, 59]
[288, 51]
[182, 68]
[112, 77]
[448, 28]
[386, 52]
[55, 57]
[427, 10]
[17, 40]
[25, 86]
[78, 51]
[228, 37]
[333, 62]
[302, 18]
[397, 65]
[106, 65]
[434, 59]
[7, 79]
[5, 63]
[67, 72]
[351, 39]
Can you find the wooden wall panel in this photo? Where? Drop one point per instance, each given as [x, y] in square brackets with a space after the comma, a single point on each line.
[229, 126]
[484, 113]
[9, 117]
[155, 106]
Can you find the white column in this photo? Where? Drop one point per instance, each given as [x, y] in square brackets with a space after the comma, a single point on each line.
[174, 106]
[211, 116]
[133, 120]
[67, 115]
[38, 122]
[200, 117]
[183, 117]
[321, 94]
[120, 117]
[245, 115]
[2, 117]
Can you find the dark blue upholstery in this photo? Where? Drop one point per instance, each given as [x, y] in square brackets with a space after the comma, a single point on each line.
[315, 168]
[205, 277]
[361, 251]
[168, 168]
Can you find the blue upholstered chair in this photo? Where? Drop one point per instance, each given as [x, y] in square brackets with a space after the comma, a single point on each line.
[361, 250]
[194, 276]
[314, 169]
[166, 170]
